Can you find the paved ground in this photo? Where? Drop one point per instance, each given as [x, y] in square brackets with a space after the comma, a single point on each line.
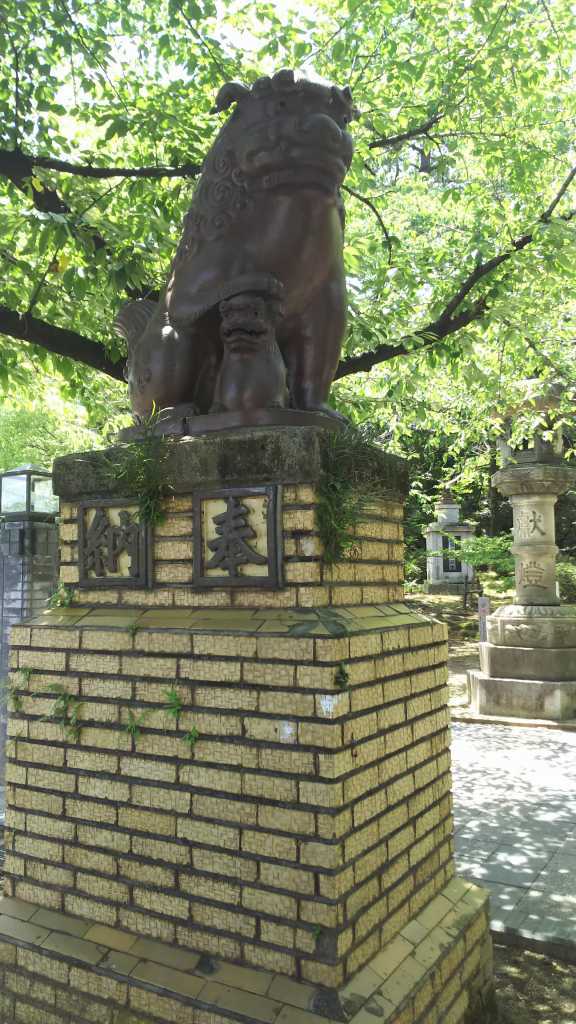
[515, 818]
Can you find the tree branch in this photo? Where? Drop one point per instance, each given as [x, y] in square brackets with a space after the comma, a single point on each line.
[368, 202]
[482, 269]
[60, 341]
[450, 320]
[561, 192]
[206, 46]
[19, 169]
[14, 161]
[411, 133]
[429, 335]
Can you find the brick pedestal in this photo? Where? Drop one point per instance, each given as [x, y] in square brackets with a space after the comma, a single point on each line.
[259, 776]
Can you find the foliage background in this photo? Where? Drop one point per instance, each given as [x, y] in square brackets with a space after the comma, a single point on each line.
[460, 205]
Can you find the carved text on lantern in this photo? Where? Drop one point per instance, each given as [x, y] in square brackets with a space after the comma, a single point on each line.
[529, 524]
[532, 575]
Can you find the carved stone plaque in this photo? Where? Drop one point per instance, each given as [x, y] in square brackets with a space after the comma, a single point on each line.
[529, 523]
[237, 538]
[114, 548]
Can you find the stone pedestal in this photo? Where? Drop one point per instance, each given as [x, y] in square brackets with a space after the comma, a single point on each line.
[243, 799]
[445, 573]
[528, 664]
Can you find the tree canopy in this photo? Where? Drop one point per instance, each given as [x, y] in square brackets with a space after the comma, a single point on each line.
[461, 200]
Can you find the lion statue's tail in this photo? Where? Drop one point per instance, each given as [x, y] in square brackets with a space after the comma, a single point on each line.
[133, 319]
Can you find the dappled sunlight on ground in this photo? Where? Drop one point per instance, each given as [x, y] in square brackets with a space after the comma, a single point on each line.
[534, 989]
[515, 820]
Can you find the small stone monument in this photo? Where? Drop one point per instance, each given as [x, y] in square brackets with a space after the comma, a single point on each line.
[528, 664]
[446, 573]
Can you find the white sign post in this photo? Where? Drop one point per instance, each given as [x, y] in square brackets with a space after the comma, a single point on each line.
[483, 613]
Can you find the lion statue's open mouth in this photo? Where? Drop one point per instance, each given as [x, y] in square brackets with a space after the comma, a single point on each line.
[242, 338]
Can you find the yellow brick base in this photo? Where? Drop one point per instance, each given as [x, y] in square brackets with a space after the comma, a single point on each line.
[246, 784]
[56, 969]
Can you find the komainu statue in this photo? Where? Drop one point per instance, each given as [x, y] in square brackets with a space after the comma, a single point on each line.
[266, 223]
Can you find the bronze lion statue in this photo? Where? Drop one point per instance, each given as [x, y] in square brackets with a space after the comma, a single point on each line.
[266, 220]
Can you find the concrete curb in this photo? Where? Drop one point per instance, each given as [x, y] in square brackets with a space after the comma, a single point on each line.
[527, 723]
[559, 949]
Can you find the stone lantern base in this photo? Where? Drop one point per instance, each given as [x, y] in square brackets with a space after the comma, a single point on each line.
[528, 665]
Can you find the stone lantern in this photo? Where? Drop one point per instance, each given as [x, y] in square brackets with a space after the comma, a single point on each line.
[528, 664]
[28, 546]
[28, 555]
[26, 494]
[445, 572]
